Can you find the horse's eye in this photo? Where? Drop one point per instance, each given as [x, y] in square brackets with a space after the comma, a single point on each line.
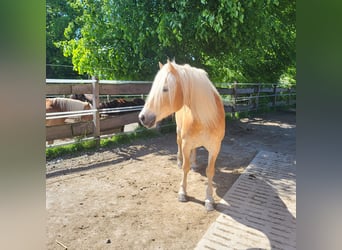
[165, 89]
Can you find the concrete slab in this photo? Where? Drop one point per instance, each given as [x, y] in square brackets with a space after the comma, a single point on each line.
[259, 210]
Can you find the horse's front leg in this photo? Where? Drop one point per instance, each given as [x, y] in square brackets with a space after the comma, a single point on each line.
[186, 168]
[193, 162]
[210, 171]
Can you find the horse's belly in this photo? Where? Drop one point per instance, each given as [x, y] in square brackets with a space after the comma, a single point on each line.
[197, 137]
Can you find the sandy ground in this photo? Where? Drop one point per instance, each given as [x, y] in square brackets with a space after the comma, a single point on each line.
[126, 197]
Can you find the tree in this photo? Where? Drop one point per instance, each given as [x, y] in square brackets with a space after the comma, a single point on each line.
[58, 16]
[232, 39]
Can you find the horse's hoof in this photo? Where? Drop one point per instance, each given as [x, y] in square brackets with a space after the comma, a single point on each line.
[182, 198]
[209, 206]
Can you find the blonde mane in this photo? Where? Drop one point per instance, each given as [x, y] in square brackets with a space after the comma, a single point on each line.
[67, 104]
[198, 91]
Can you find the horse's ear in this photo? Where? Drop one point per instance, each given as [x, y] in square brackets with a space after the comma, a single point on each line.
[171, 67]
[160, 65]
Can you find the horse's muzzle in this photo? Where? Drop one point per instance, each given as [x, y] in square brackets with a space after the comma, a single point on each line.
[148, 120]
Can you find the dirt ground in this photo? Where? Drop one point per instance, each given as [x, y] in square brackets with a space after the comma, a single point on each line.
[126, 197]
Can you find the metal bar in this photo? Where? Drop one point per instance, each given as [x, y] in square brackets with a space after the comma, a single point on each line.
[122, 108]
[120, 111]
[123, 82]
[55, 115]
[68, 81]
[71, 112]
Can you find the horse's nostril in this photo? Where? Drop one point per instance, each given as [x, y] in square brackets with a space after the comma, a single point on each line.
[142, 118]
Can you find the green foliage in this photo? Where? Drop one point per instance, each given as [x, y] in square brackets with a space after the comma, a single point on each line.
[288, 78]
[57, 151]
[249, 41]
[58, 16]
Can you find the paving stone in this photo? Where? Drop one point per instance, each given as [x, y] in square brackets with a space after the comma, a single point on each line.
[259, 210]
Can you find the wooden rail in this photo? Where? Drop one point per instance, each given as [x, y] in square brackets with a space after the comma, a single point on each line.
[236, 97]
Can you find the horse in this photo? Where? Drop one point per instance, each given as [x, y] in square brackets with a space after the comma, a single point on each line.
[200, 117]
[63, 105]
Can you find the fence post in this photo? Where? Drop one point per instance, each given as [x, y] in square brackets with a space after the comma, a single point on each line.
[289, 89]
[256, 99]
[274, 95]
[96, 115]
[234, 96]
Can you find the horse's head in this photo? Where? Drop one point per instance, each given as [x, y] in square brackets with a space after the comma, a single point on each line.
[50, 105]
[165, 96]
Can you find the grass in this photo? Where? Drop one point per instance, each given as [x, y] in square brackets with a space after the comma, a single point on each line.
[91, 145]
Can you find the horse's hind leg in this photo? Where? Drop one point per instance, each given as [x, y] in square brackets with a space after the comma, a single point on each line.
[179, 152]
[186, 168]
[210, 171]
[193, 162]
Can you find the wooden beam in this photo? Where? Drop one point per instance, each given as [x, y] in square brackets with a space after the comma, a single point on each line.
[58, 132]
[266, 90]
[245, 91]
[82, 128]
[125, 89]
[282, 90]
[118, 121]
[68, 89]
[82, 89]
[225, 91]
[104, 89]
[57, 89]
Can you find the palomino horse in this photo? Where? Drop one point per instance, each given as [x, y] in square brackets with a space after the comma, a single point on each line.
[63, 105]
[200, 117]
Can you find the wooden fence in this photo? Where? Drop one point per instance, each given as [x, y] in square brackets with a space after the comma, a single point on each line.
[236, 97]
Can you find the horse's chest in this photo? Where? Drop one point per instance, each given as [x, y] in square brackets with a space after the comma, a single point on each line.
[197, 138]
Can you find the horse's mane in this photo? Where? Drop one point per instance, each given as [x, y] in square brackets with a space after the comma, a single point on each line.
[67, 104]
[198, 91]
